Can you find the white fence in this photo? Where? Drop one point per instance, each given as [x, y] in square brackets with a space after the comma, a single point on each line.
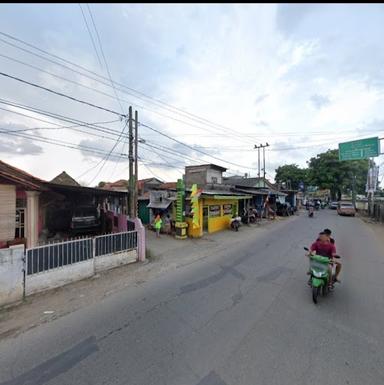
[56, 264]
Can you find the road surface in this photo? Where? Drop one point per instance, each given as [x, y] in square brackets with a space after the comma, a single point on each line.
[242, 317]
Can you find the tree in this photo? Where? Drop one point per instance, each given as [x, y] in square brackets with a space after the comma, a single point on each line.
[292, 175]
[327, 172]
[101, 184]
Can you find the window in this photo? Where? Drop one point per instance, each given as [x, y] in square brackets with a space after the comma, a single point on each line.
[20, 223]
[227, 209]
[21, 204]
[214, 179]
[214, 211]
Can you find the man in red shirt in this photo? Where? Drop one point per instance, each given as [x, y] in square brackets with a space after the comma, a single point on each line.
[322, 246]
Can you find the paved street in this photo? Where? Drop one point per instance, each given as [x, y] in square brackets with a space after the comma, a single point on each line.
[242, 317]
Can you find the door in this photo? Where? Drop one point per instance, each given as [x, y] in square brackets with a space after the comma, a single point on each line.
[144, 212]
[205, 218]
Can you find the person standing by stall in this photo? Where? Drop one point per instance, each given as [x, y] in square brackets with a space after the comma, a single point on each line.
[158, 223]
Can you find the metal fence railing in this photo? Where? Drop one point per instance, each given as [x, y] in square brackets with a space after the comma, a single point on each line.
[115, 243]
[57, 255]
[54, 255]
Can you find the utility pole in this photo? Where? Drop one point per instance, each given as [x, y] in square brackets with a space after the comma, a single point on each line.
[130, 157]
[258, 160]
[136, 163]
[258, 148]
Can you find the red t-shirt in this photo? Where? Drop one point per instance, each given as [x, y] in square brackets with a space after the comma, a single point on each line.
[324, 249]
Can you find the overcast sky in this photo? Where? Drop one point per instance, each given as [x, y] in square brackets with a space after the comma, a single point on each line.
[300, 77]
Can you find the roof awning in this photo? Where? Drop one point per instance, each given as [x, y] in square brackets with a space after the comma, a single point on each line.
[253, 192]
[159, 205]
[232, 196]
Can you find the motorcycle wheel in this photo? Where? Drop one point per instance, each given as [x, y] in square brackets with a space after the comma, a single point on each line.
[324, 290]
[315, 294]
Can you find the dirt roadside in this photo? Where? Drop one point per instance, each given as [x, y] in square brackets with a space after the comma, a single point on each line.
[166, 254]
[376, 227]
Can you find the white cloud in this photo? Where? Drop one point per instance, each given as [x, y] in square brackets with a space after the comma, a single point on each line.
[257, 69]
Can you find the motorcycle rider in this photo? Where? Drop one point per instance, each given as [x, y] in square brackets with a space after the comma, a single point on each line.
[322, 246]
[328, 232]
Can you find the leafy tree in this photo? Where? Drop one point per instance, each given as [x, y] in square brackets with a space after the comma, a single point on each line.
[292, 175]
[327, 172]
[101, 184]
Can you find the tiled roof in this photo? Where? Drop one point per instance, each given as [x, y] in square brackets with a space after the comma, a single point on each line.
[21, 177]
[168, 185]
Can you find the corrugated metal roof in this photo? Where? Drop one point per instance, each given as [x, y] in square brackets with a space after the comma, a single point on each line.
[90, 190]
[159, 205]
[262, 192]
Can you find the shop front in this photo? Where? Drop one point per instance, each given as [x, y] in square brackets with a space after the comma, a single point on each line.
[214, 212]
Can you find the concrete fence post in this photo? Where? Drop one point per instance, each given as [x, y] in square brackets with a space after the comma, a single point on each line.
[140, 239]
[94, 254]
[11, 274]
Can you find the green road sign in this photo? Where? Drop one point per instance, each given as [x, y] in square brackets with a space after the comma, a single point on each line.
[359, 149]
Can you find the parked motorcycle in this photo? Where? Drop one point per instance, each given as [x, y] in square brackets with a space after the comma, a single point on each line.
[248, 218]
[319, 274]
[235, 223]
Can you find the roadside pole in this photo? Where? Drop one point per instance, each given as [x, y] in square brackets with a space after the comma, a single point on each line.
[130, 156]
[136, 165]
[258, 149]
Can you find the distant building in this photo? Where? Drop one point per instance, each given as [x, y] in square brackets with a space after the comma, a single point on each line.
[65, 180]
[120, 185]
[203, 175]
[146, 185]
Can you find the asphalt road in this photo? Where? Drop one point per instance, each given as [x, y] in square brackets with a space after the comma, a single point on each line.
[244, 316]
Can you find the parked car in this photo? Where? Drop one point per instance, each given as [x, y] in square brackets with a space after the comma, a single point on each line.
[346, 208]
[85, 219]
[333, 205]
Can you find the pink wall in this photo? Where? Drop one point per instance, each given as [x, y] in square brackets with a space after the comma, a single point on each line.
[122, 222]
[21, 194]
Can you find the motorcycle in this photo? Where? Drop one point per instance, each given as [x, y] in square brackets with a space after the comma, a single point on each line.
[319, 274]
[248, 218]
[310, 212]
[235, 223]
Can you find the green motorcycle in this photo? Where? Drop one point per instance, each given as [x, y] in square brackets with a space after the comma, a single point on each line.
[319, 274]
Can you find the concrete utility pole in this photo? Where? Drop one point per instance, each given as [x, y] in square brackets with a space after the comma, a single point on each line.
[131, 186]
[258, 160]
[136, 163]
[258, 149]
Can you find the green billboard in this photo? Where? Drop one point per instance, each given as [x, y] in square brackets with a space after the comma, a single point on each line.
[359, 149]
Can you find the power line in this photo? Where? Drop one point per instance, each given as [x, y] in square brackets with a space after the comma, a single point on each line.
[92, 126]
[114, 90]
[90, 35]
[61, 94]
[193, 148]
[59, 127]
[164, 105]
[114, 97]
[104, 58]
[110, 152]
[60, 143]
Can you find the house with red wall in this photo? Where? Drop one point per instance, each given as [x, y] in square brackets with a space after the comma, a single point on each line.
[34, 211]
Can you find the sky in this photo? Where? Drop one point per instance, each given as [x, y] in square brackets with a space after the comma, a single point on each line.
[209, 82]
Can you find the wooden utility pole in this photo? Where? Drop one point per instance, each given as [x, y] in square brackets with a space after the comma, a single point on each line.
[136, 163]
[130, 157]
